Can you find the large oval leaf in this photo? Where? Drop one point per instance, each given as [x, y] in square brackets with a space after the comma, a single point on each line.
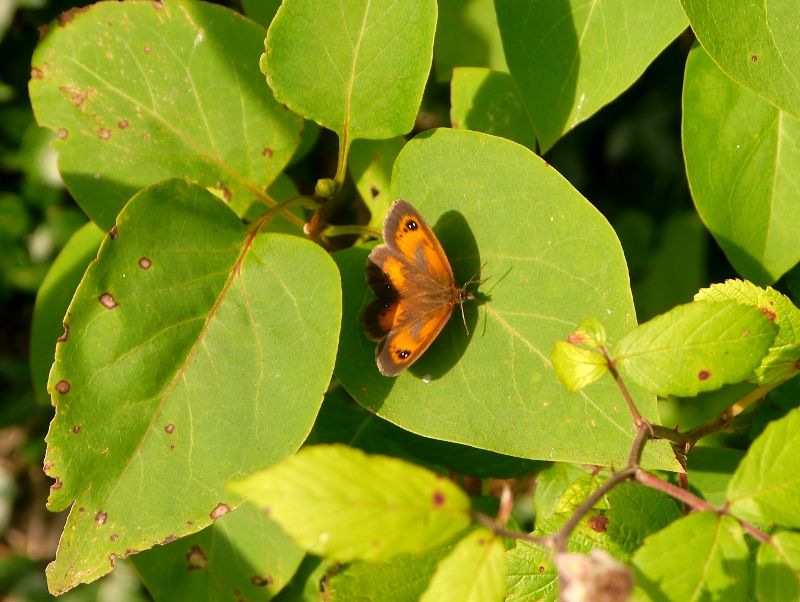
[357, 67]
[553, 260]
[162, 91]
[572, 57]
[755, 43]
[742, 155]
[196, 351]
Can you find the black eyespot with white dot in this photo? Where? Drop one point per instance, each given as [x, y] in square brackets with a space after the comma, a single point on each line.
[411, 225]
[403, 353]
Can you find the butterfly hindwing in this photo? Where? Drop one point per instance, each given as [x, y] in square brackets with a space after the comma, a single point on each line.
[409, 340]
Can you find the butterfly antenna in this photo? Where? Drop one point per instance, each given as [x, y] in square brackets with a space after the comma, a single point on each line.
[464, 317]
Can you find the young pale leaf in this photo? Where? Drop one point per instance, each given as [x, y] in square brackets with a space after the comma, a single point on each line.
[178, 371]
[781, 363]
[778, 568]
[488, 101]
[553, 260]
[764, 489]
[370, 165]
[52, 301]
[741, 160]
[357, 67]
[577, 367]
[572, 57]
[475, 571]
[696, 347]
[243, 551]
[755, 43]
[699, 557]
[165, 90]
[338, 502]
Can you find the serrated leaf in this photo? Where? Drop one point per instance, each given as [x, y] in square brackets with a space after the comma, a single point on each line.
[370, 165]
[179, 372]
[474, 571]
[336, 501]
[577, 367]
[355, 67]
[488, 101]
[696, 347]
[781, 363]
[755, 43]
[765, 487]
[467, 36]
[778, 568]
[553, 260]
[698, 557]
[566, 56]
[151, 98]
[531, 574]
[52, 301]
[243, 551]
[401, 579]
[741, 160]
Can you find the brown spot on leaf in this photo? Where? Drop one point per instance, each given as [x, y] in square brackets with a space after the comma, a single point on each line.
[219, 511]
[107, 301]
[267, 152]
[69, 15]
[541, 568]
[62, 133]
[64, 335]
[158, 4]
[754, 58]
[76, 429]
[704, 375]
[147, 50]
[169, 428]
[114, 537]
[373, 190]
[168, 539]
[113, 558]
[123, 124]
[196, 559]
[226, 192]
[598, 523]
[62, 387]
[768, 312]
[81, 509]
[57, 485]
[260, 581]
[104, 133]
[36, 73]
[101, 517]
[575, 337]
[76, 95]
[438, 498]
[112, 234]
[145, 263]
[47, 466]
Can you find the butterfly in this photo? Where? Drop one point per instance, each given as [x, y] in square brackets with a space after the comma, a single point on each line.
[415, 289]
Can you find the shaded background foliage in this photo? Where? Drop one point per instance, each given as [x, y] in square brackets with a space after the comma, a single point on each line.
[626, 160]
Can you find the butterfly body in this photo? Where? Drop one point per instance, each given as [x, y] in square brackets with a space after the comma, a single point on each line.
[415, 289]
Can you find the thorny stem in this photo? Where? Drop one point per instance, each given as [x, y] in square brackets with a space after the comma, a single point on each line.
[612, 367]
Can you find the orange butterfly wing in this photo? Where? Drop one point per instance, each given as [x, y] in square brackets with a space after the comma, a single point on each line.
[415, 289]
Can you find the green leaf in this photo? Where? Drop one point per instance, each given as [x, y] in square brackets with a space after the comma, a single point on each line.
[401, 579]
[778, 568]
[309, 582]
[355, 67]
[488, 101]
[531, 574]
[336, 501]
[781, 363]
[696, 347]
[243, 551]
[180, 372]
[577, 367]
[699, 557]
[550, 486]
[474, 571]
[755, 43]
[553, 260]
[261, 11]
[571, 58]
[370, 165]
[152, 98]
[764, 489]
[741, 159]
[467, 35]
[52, 301]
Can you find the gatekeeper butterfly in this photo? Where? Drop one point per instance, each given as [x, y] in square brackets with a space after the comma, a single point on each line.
[415, 289]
